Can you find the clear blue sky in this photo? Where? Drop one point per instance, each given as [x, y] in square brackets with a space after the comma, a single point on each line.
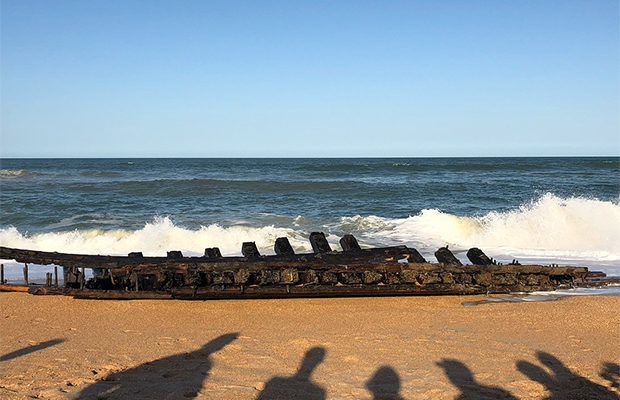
[318, 78]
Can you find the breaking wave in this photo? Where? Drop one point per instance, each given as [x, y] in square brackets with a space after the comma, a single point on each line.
[154, 239]
[14, 173]
[549, 228]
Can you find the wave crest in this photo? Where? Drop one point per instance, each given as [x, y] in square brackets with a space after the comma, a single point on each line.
[549, 228]
[154, 239]
[13, 173]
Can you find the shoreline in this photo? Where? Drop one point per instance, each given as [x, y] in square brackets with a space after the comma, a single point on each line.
[57, 347]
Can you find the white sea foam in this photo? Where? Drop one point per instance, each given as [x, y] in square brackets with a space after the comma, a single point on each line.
[13, 173]
[550, 229]
[572, 230]
[154, 239]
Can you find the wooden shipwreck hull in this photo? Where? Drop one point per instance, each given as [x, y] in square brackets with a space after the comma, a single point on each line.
[384, 271]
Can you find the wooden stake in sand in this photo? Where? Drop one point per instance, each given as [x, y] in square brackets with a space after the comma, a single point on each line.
[56, 276]
[26, 274]
[1, 274]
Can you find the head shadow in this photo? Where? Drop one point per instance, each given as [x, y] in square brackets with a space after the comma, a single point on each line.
[463, 378]
[299, 385]
[560, 381]
[384, 384]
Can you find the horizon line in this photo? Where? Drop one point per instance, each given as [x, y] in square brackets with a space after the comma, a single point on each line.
[291, 157]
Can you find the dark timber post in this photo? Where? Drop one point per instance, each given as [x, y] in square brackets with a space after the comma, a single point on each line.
[83, 278]
[26, 274]
[477, 257]
[213, 252]
[319, 242]
[445, 256]
[55, 276]
[249, 250]
[349, 243]
[282, 247]
[174, 254]
[1, 274]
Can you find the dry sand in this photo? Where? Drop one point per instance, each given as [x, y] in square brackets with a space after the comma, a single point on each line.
[56, 347]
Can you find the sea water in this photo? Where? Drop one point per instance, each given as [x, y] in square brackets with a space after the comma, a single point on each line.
[561, 210]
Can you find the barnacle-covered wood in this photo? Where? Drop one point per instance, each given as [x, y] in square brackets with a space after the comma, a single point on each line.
[365, 272]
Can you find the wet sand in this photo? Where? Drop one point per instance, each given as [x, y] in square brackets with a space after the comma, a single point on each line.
[55, 347]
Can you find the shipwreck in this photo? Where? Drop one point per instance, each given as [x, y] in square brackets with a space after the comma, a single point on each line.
[383, 271]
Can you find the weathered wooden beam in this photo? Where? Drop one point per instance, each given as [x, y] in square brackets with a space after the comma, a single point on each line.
[283, 247]
[319, 242]
[249, 250]
[174, 254]
[353, 273]
[56, 276]
[443, 255]
[415, 257]
[477, 257]
[349, 243]
[26, 274]
[213, 252]
[14, 288]
[1, 274]
[106, 262]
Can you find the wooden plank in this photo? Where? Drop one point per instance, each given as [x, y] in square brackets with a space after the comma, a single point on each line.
[98, 261]
[13, 288]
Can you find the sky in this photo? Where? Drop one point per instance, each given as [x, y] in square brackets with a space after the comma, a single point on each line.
[309, 79]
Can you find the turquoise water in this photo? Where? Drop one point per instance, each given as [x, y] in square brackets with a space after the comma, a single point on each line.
[549, 209]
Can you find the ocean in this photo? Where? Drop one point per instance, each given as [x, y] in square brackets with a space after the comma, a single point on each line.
[561, 210]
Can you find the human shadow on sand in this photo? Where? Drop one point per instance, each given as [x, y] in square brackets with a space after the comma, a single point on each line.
[298, 386]
[561, 382]
[611, 373]
[384, 384]
[464, 379]
[30, 349]
[179, 376]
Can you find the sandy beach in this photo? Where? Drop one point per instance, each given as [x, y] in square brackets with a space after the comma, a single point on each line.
[55, 347]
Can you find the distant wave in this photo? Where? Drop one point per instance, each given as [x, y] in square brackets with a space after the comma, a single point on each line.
[13, 173]
[549, 227]
[100, 173]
